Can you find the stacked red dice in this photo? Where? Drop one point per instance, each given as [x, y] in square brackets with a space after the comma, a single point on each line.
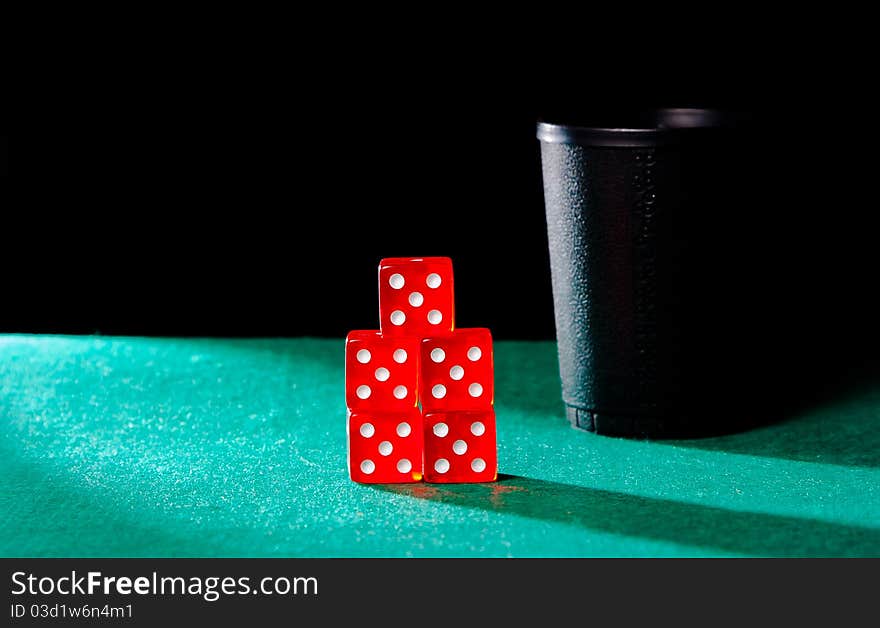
[419, 392]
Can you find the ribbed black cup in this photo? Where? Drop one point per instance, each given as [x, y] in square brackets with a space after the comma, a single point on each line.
[648, 220]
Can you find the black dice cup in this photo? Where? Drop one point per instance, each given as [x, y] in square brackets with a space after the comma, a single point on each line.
[657, 269]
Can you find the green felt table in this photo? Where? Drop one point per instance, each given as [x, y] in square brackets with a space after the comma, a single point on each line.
[234, 447]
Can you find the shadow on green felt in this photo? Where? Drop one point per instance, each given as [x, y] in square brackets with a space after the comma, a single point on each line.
[838, 423]
[749, 533]
[835, 419]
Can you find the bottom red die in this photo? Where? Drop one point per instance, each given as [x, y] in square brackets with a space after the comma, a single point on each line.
[460, 447]
[385, 448]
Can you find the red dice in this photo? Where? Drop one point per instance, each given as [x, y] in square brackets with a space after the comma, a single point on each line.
[385, 448]
[457, 371]
[460, 446]
[416, 296]
[381, 373]
[419, 393]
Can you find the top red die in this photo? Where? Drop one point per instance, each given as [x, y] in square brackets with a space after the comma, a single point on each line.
[457, 372]
[381, 373]
[416, 296]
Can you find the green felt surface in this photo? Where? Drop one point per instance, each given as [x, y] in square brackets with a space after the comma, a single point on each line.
[206, 447]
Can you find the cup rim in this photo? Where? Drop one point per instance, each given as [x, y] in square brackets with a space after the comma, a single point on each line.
[664, 126]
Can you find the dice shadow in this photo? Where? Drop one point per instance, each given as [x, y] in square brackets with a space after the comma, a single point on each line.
[709, 527]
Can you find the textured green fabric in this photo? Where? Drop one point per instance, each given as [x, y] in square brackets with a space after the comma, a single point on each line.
[206, 447]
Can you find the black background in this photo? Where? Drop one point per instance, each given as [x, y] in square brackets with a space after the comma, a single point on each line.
[250, 188]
